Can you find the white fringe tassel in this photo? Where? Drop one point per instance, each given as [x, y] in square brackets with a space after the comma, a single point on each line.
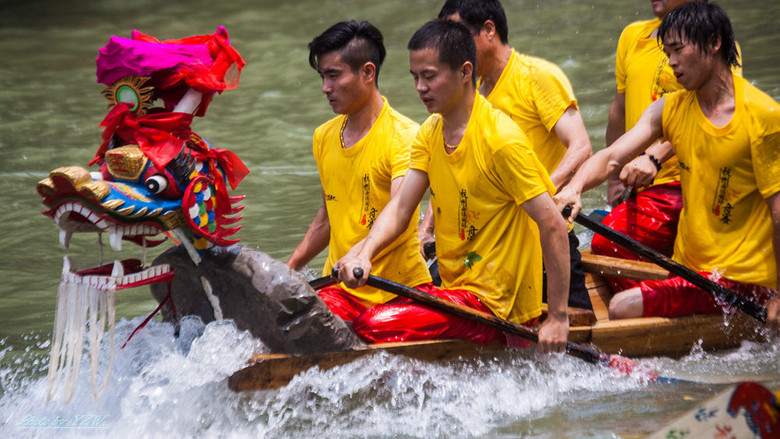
[75, 300]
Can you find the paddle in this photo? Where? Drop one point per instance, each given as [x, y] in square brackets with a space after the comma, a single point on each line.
[622, 364]
[719, 291]
[322, 282]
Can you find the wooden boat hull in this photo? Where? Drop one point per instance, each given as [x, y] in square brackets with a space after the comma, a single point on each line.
[641, 337]
[661, 336]
[271, 371]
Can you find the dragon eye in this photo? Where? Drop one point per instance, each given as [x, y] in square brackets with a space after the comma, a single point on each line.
[156, 183]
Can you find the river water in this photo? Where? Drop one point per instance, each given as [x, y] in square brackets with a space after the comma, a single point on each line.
[50, 107]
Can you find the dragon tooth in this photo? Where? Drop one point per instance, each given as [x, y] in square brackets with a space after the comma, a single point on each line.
[118, 271]
[66, 265]
[116, 239]
[65, 236]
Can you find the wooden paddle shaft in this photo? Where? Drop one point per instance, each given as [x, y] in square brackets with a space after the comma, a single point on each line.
[573, 349]
[714, 288]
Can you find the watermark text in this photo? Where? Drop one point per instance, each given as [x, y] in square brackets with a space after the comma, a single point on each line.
[55, 422]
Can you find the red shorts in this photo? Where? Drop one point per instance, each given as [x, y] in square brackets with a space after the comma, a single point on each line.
[676, 297]
[403, 319]
[649, 217]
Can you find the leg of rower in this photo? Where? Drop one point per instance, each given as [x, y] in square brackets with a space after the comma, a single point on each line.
[403, 319]
[626, 304]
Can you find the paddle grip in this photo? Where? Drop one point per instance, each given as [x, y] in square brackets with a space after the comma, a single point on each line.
[357, 272]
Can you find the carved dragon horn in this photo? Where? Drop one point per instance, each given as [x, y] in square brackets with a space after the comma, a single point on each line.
[182, 166]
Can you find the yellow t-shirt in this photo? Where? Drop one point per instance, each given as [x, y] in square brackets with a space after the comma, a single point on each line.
[535, 93]
[356, 182]
[726, 174]
[642, 72]
[485, 241]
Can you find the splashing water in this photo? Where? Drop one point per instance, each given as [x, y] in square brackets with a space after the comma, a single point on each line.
[177, 387]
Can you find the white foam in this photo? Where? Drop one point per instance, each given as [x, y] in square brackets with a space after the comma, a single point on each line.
[163, 386]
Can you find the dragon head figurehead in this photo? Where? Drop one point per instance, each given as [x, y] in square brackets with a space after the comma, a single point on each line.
[155, 175]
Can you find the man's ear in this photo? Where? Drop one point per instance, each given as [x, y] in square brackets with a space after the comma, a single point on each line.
[489, 28]
[369, 71]
[715, 43]
[467, 70]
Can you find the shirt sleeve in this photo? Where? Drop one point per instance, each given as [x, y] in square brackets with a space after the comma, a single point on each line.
[766, 164]
[401, 151]
[420, 152]
[520, 173]
[553, 94]
[620, 60]
[316, 146]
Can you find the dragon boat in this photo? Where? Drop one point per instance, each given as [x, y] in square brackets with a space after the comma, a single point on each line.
[639, 337]
[159, 181]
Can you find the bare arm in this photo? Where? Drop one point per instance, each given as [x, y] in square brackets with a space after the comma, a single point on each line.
[555, 250]
[773, 307]
[610, 160]
[390, 223]
[571, 130]
[315, 241]
[616, 127]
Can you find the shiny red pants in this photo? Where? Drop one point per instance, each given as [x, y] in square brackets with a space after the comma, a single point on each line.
[676, 297]
[649, 217]
[403, 319]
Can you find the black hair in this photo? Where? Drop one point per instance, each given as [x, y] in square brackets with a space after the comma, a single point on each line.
[358, 43]
[699, 23]
[474, 14]
[453, 41]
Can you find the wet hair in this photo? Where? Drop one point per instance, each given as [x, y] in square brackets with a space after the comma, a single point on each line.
[474, 14]
[699, 23]
[452, 40]
[357, 43]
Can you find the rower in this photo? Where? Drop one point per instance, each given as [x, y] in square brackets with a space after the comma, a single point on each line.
[726, 135]
[495, 219]
[362, 156]
[538, 97]
[647, 207]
